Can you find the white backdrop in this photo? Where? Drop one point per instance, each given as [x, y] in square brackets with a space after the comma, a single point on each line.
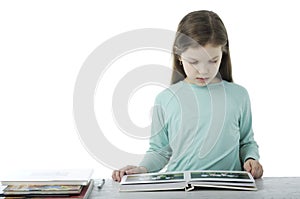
[43, 45]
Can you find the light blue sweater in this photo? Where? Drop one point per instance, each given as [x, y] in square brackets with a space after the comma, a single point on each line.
[201, 128]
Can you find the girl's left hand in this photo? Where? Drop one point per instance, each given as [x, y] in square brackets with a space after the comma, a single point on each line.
[254, 167]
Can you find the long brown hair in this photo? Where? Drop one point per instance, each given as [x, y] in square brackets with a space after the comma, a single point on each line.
[201, 28]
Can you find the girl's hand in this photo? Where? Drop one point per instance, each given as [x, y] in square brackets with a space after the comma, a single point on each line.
[129, 169]
[254, 167]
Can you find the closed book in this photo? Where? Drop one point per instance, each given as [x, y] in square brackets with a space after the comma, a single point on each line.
[42, 189]
[84, 194]
[48, 177]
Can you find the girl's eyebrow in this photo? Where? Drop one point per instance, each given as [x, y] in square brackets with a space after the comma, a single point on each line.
[215, 57]
[193, 59]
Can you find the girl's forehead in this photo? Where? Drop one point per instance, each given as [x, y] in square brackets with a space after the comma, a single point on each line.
[198, 52]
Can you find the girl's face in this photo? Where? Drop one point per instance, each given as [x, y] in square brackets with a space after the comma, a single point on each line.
[201, 64]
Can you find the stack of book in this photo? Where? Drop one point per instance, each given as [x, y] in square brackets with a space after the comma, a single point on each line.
[48, 184]
[188, 180]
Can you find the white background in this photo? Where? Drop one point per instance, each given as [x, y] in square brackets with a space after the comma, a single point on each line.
[43, 45]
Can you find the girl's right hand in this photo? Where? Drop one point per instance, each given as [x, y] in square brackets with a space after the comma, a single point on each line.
[129, 169]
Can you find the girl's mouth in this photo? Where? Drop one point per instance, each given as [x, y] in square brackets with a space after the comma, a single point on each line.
[201, 79]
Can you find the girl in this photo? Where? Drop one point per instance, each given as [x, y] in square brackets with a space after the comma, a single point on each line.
[203, 120]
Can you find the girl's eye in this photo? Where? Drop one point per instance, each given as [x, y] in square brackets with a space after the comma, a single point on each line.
[196, 62]
[214, 61]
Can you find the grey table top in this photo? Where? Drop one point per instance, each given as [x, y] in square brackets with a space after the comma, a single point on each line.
[268, 188]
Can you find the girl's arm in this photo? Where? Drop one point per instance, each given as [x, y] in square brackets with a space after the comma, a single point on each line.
[159, 151]
[248, 146]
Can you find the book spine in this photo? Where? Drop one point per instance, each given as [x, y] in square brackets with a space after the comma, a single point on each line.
[89, 190]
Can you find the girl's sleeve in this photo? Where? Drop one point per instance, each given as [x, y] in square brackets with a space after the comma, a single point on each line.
[248, 146]
[159, 152]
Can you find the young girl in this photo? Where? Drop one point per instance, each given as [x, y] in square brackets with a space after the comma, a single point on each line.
[203, 120]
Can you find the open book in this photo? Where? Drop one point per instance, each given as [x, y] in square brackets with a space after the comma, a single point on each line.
[188, 180]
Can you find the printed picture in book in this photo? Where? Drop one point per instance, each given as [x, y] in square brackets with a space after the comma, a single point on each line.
[222, 175]
[156, 177]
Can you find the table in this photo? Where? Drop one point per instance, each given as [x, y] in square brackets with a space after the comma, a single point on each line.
[268, 188]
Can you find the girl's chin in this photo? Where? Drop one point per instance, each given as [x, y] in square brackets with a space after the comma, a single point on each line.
[200, 83]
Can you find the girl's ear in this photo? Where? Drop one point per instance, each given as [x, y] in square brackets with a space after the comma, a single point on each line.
[179, 58]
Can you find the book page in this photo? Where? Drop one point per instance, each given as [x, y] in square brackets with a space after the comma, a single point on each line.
[153, 186]
[232, 176]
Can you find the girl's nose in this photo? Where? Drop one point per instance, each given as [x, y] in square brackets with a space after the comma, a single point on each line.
[201, 68]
